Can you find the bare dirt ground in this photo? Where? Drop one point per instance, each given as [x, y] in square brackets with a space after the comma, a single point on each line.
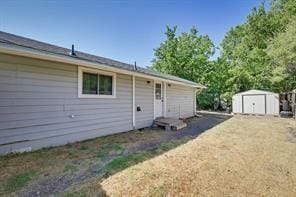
[61, 170]
[243, 156]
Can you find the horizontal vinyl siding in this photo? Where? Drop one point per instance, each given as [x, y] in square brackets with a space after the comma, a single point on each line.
[179, 101]
[38, 99]
[60, 140]
[144, 99]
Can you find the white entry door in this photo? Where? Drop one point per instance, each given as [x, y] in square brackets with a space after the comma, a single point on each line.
[158, 100]
[254, 104]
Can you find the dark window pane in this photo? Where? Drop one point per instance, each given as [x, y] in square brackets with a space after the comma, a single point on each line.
[105, 83]
[157, 91]
[90, 83]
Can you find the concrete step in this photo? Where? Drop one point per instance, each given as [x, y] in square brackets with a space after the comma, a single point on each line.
[169, 123]
[179, 126]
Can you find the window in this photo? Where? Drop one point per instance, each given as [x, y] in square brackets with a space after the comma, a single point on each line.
[90, 83]
[95, 83]
[105, 85]
[157, 91]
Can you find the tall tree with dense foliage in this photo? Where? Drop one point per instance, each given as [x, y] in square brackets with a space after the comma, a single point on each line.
[282, 51]
[250, 50]
[186, 55]
[243, 47]
[260, 54]
[217, 88]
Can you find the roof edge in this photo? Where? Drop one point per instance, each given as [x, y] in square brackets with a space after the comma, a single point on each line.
[38, 54]
[260, 91]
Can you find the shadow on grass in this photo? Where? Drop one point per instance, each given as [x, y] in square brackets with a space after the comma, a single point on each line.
[118, 164]
[146, 151]
[77, 169]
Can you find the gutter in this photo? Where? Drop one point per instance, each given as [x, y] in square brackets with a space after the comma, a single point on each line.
[37, 54]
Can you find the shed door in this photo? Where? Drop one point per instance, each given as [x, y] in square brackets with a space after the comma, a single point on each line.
[254, 104]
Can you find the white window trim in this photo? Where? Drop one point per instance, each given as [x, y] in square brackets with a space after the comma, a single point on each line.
[95, 71]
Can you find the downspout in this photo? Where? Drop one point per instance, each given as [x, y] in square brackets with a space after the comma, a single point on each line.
[164, 99]
[134, 100]
[194, 101]
[153, 99]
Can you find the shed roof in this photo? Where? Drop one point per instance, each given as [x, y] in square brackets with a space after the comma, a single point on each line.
[254, 91]
[11, 39]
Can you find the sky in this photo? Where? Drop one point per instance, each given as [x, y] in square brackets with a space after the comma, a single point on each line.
[123, 30]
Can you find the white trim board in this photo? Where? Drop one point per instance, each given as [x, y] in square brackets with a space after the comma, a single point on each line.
[164, 99]
[153, 100]
[194, 102]
[134, 101]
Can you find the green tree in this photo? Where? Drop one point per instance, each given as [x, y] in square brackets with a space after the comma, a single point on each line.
[186, 55]
[282, 50]
[243, 47]
[248, 49]
[217, 88]
[260, 53]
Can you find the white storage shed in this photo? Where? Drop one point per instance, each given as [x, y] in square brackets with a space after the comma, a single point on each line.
[256, 102]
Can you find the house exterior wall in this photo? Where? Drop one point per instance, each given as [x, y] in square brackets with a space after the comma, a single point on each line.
[39, 105]
[144, 100]
[180, 101]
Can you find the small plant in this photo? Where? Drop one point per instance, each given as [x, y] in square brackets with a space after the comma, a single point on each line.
[19, 180]
[106, 149]
[75, 194]
[69, 145]
[167, 146]
[172, 144]
[73, 152]
[123, 162]
[158, 191]
[69, 167]
[83, 147]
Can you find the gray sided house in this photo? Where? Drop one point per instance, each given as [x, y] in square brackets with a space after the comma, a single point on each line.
[51, 95]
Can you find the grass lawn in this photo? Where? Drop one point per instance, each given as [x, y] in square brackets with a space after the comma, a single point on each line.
[56, 170]
[244, 156]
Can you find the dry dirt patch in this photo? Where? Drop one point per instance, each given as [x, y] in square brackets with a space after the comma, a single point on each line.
[246, 155]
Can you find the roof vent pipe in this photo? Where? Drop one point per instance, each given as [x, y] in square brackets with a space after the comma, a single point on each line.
[73, 51]
[136, 66]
